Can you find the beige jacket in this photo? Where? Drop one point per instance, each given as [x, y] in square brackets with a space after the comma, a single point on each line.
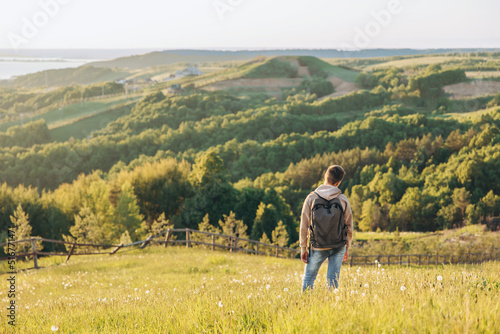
[328, 192]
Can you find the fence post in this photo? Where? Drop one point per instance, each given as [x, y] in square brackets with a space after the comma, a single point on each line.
[71, 251]
[256, 248]
[213, 242]
[146, 242]
[388, 260]
[113, 252]
[188, 238]
[277, 251]
[408, 261]
[167, 236]
[419, 259]
[400, 260]
[33, 246]
[235, 249]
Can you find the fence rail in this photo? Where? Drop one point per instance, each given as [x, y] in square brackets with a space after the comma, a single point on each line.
[233, 243]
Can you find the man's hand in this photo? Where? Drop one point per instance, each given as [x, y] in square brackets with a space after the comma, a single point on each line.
[346, 255]
[303, 256]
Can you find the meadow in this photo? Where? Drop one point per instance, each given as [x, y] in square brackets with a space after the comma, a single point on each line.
[179, 290]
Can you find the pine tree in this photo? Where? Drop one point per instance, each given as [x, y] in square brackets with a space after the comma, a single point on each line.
[22, 230]
[280, 235]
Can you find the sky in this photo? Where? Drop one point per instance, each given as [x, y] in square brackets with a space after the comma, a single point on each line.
[248, 24]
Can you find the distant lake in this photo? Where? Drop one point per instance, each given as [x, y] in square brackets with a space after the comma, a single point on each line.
[10, 66]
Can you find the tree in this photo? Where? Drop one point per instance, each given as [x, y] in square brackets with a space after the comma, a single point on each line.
[461, 199]
[265, 221]
[280, 235]
[89, 228]
[127, 213]
[231, 226]
[21, 231]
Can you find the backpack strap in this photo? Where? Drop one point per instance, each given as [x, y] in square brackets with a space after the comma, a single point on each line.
[328, 201]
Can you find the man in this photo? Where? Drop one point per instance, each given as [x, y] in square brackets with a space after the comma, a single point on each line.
[325, 194]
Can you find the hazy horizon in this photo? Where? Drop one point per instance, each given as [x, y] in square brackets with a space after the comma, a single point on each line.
[241, 25]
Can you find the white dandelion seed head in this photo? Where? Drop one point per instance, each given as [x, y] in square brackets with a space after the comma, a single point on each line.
[54, 328]
[367, 286]
[285, 289]
[220, 304]
[336, 291]
[403, 288]
[337, 298]
[268, 287]
[363, 294]
[440, 278]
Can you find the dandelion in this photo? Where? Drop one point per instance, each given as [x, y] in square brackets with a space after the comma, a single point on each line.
[379, 265]
[403, 288]
[366, 285]
[440, 278]
[336, 291]
[54, 328]
[147, 291]
[268, 287]
[337, 298]
[285, 289]
[363, 294]
[220, 303]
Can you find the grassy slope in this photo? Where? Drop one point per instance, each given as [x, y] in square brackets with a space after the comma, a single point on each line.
[65, 115]
[175, 290]
[81, 127]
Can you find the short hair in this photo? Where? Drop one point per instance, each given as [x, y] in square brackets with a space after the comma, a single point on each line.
[334, 174]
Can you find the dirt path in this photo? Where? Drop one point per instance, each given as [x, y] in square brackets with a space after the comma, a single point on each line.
[473, 89]
[341, 87]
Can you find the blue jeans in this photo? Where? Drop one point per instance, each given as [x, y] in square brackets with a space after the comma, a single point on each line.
[316, 258]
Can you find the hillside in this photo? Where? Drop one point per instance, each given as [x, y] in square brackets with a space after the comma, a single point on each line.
[245, 144]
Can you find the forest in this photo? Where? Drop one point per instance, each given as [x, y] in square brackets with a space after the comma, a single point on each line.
[243, 164]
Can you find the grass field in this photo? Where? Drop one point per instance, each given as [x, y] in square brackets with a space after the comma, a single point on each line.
[83, 126]
[178, 290]
[66, 114]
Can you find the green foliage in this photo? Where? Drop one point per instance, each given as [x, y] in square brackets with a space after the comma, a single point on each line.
[430, 83]
[318, 86]
[280, 235]
[273, 68]
[26, 136]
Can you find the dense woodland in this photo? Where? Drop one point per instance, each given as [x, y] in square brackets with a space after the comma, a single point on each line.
[243, 165]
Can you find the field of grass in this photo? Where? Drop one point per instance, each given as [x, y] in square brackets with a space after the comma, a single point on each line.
[82, 127]
[178, 290]
[66, 114]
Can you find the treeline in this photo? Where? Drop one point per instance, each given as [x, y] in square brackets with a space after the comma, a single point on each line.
[51, 164]
[26, 135]
[129, 205]
[417, 184]
[431, 83]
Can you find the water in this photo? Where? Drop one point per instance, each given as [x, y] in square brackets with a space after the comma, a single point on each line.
[10, 67]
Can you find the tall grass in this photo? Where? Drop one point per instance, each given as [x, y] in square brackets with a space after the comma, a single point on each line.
[175, 290]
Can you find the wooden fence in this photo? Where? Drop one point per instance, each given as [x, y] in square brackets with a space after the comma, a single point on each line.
[213, 241]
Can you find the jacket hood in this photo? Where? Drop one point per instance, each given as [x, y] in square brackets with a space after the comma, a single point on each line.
[328, 192]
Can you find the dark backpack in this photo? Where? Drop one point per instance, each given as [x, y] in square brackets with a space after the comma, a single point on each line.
[328, 228]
